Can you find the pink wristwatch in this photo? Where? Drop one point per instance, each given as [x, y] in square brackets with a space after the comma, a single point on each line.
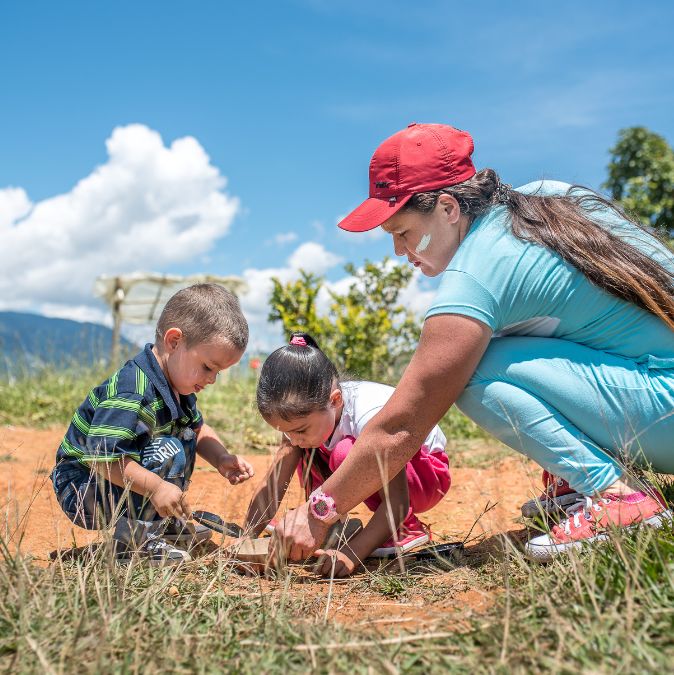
[322, 507]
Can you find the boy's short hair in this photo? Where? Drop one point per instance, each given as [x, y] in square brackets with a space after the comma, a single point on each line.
[205, 313]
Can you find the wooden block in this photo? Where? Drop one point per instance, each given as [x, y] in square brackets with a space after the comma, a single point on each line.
[251, 551]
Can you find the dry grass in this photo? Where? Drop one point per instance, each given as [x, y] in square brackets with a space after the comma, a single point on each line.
[607, 610]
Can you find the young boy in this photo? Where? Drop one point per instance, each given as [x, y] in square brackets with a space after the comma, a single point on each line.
[129, 452]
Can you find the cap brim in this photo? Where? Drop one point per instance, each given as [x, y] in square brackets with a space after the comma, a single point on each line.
[372, 213]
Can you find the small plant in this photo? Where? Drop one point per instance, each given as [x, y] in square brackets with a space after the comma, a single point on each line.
[391, 585]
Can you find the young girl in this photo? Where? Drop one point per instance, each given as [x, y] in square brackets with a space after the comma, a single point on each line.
[299, 393]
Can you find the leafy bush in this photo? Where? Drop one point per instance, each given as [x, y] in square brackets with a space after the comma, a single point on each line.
[367, 332]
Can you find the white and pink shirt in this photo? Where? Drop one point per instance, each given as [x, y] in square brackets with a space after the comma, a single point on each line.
[362, 401]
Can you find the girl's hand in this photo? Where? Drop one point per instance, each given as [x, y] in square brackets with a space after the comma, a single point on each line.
[235, 469]
[169, 500]
[334, 563]
[296, 536]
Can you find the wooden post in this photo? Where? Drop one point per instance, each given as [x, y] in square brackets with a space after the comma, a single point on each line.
[117, 299]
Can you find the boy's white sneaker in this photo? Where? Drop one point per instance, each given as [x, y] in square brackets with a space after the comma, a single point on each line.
[154, 551]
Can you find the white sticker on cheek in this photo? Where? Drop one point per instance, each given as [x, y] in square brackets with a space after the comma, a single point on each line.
[423, 244]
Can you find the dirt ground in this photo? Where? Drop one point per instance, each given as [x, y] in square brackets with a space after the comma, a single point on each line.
[35, 523]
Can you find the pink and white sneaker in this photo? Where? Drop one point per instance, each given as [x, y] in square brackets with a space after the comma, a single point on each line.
[557, 496]
[411, 533]
[590, 520]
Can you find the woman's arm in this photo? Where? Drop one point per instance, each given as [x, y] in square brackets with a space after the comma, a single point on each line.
[269, 495]
[449, 350]
[450, 347]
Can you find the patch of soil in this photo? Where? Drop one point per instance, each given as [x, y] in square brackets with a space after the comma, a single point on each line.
[481, 505]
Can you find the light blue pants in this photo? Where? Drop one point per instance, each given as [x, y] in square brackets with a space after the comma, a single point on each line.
[580, 413]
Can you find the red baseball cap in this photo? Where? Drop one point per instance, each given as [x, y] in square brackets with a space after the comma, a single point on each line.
[420, 158]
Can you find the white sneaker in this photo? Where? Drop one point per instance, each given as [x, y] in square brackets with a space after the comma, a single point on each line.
[590, 521]
[179, 531]
[154, 551]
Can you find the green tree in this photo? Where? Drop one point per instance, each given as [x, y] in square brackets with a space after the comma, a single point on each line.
[641, 177]
[366, 331]
[294, 305]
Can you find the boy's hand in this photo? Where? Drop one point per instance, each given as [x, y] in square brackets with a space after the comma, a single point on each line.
[169, 500]
[334, 563]
[235, 469]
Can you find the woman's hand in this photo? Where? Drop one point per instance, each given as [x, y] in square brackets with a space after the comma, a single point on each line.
[169, 500]
[235, 469]
[336, 564]
[297, 536]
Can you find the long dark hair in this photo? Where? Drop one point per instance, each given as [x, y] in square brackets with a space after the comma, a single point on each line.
[564, 224]
[295, 381]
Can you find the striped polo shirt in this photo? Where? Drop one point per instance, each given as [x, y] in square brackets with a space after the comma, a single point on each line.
[122, 415]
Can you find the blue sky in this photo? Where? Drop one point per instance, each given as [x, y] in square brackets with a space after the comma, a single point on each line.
[289, 99]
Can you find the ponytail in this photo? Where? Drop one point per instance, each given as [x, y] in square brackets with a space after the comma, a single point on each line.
[296, 379]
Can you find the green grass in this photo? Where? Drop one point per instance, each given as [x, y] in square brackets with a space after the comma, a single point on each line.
[46, 397]
[50, 397]
[609, 610]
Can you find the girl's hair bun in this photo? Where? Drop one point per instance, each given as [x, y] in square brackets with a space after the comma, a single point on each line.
[300, 339]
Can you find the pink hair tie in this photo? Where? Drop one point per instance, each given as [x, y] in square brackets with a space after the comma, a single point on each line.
[298, 341]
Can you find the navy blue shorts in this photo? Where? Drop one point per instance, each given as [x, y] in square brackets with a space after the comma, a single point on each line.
[92, 502]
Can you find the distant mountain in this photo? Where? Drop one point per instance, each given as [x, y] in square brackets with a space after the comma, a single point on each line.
[28, 341]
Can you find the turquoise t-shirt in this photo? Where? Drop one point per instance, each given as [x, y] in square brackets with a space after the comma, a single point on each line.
[520, 288]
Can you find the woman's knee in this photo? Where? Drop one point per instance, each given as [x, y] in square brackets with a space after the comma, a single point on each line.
[472, 401]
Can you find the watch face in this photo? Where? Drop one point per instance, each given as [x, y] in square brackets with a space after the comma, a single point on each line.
[322, 506]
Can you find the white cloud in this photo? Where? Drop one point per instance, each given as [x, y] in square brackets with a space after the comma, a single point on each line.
[314, 258]
[14, 204]
[84, 313]
[311, 257]
[416, 296]
[285, 238]
[147, 207]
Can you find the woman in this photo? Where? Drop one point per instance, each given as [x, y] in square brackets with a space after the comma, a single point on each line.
[552, 328]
